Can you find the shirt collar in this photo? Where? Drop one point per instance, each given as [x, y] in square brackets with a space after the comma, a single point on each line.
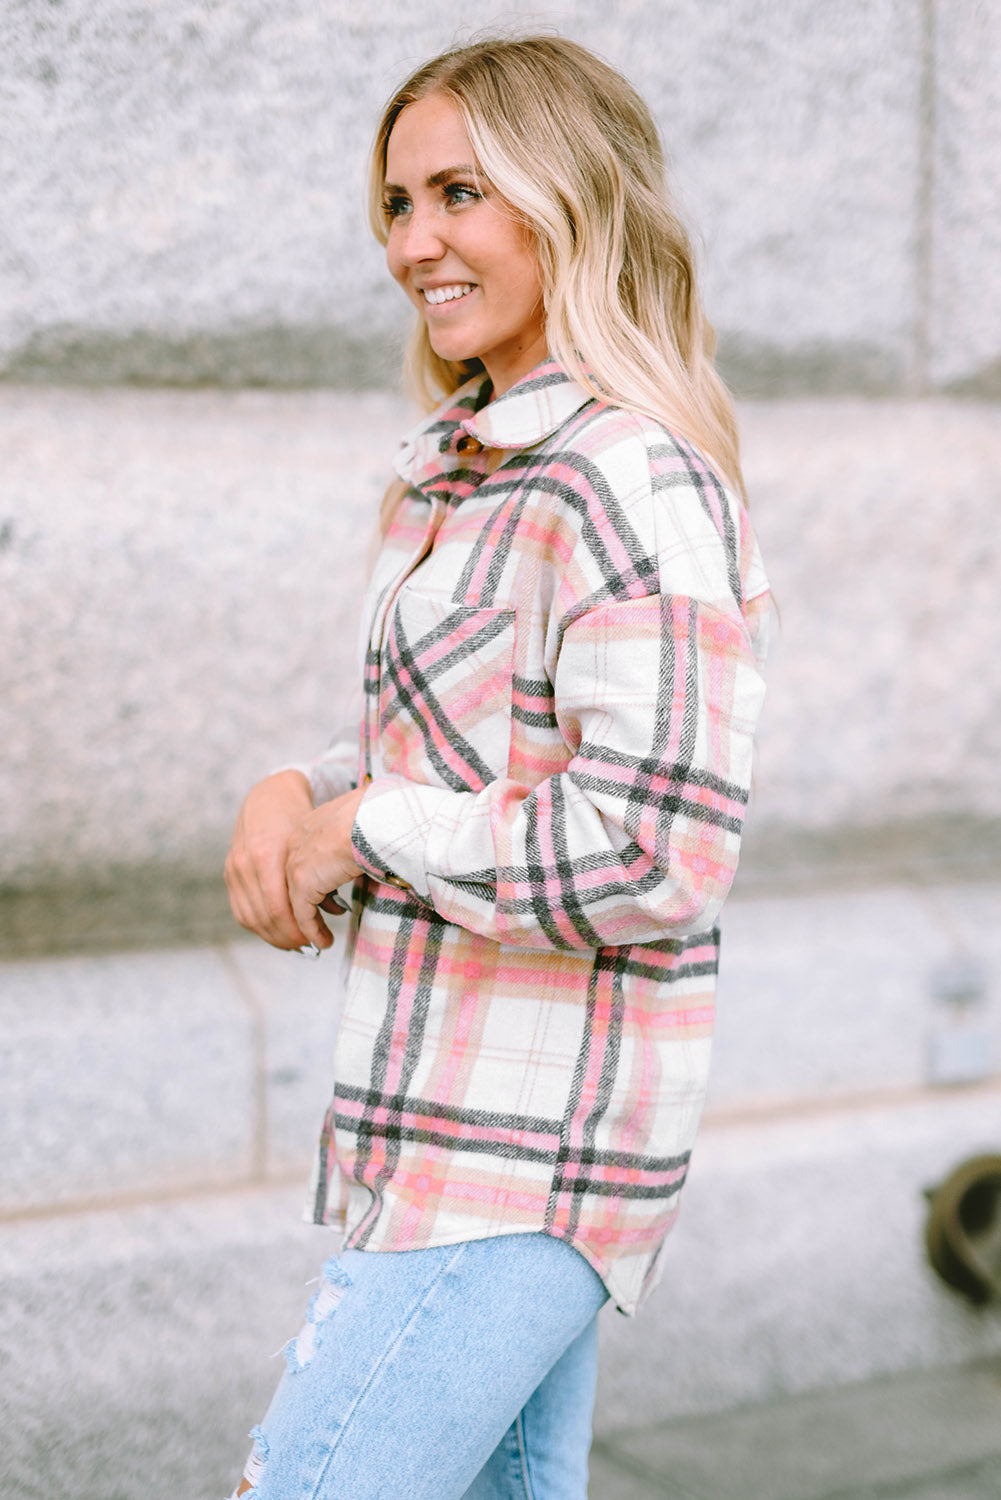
[530, 411]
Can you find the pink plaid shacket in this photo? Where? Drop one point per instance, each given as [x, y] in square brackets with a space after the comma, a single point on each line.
[563, 640]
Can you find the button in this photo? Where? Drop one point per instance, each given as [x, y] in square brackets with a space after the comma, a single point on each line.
[468, 445]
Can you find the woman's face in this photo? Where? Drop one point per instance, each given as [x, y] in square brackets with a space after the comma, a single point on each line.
[457, 249]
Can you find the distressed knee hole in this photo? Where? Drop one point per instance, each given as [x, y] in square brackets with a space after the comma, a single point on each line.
[334, 1282]
[253, 1468]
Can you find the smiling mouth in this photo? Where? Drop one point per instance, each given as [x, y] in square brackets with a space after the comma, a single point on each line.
[436, 295]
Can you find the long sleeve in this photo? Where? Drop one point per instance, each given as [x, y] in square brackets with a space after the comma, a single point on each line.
[637, 840]
[335, 770]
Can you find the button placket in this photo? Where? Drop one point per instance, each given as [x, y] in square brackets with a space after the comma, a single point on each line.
[377, 634]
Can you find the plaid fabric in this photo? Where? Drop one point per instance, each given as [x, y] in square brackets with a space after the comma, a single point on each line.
[562, 640]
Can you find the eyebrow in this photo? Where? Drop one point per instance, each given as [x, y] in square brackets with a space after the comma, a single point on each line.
[437, 179]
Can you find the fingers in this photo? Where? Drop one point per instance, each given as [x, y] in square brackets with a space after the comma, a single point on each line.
[304, 901]
[255, 866]
[319, 858]
[307, 887]
[287, 860]
[258, 897]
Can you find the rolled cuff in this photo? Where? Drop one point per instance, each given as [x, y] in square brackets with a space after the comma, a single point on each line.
[393, 828]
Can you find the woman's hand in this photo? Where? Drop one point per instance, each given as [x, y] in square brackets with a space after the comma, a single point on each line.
[319, 859]
[255, 866]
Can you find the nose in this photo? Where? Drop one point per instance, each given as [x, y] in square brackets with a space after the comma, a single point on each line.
[418, 237]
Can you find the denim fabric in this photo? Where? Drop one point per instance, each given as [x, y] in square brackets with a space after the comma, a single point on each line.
[463, 1372]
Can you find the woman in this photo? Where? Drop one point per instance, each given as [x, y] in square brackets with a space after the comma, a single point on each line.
[562, 642]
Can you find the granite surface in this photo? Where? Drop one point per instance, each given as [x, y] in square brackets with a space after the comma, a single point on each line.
[933, 1435]
[179, 584]
[796, 1268]
[163, 1105]
[965, 247]
[183, 191]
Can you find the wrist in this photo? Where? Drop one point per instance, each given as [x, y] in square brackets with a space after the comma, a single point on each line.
[294, 781]
[350, 803]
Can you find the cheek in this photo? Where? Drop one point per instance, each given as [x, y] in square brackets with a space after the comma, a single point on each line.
[529, 283]
[525, 265]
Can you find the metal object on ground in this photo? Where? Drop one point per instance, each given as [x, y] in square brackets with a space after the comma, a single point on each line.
[963, 1230]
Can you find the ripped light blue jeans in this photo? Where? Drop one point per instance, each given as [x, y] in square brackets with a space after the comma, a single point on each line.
[464, 1372]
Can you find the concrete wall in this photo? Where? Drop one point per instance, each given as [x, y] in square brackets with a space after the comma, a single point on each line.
[182, 185]
[182, 204]
[179, 570]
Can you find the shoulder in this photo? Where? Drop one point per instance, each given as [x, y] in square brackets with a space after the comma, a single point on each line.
[627, 475]
[630, 454]
[603, 440]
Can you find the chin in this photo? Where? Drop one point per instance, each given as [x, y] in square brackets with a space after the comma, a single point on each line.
[454, 352]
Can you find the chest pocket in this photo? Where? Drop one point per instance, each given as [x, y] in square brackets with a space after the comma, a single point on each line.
[445, 692]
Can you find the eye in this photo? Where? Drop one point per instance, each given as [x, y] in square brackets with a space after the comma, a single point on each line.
[394, 205]
[457, 193]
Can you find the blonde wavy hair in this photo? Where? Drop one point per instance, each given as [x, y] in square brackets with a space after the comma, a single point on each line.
[574, 150]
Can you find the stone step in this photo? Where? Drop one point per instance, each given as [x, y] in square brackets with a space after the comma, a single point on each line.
[842, 991]
[144, 1073]
[797, 1265]
[155, 1072]
[798, 1260]
[138, 1342]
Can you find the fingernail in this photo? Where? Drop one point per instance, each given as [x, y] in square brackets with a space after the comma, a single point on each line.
[309, 950]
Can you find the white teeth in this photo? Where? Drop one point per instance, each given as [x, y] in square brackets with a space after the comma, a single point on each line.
[438, 294]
